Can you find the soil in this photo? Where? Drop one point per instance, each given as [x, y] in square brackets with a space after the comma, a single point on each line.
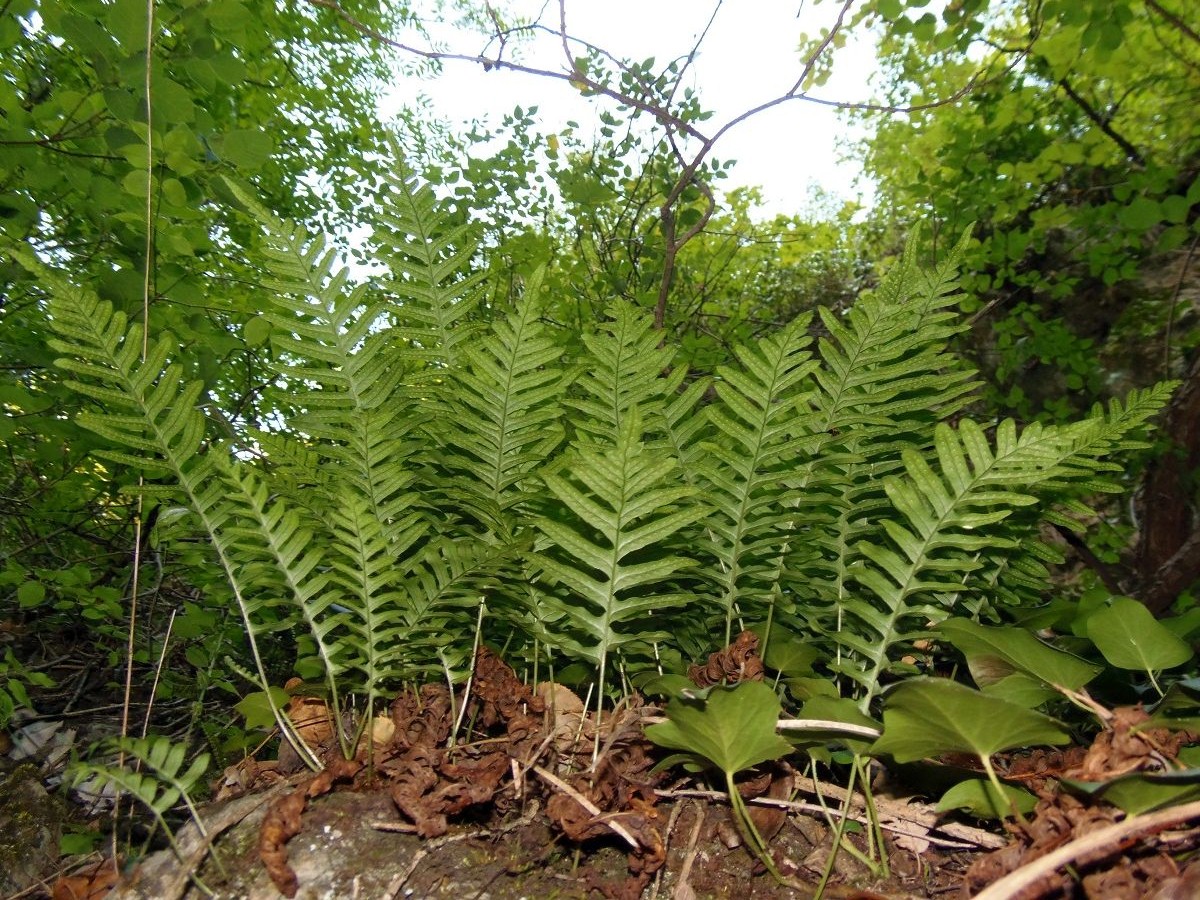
[546, 800]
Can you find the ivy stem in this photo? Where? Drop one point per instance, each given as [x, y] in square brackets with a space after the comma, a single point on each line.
[750, 834]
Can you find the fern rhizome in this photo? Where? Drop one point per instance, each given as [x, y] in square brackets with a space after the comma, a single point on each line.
[438, 470]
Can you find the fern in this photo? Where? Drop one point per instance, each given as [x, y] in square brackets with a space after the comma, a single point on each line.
[619, 506]
[949, 519]
[760, 433]
[429, 261]
[147, 408]
[439, 468]
[504, 414]
[160, 788]
[623, 369]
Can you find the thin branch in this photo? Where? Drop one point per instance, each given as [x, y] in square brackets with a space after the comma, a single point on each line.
[1181, 25]
[1103, 123]
[674, 124]
[811, 62]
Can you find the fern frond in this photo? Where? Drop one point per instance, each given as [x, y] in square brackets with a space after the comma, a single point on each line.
[444, 587]
[886, 377]
[949, 521]
[504, 413]
[609, 542]
[759, 437]
[429, 259]
[623, 369]
[163, 785]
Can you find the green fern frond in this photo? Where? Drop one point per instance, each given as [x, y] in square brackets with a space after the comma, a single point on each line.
[164, 783]
[760, 433]
[444, 587]
[950, 522]
[623, 369]
[886, 377]
[430, 259]
[504, 412]
[609, 542]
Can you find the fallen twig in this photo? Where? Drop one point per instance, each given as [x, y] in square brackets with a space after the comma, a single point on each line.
[920, 824]
[1022, 884]
[556, 782]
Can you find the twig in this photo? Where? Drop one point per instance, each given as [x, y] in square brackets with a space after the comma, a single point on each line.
[689, 858]
[1023, 884]
[865, 731]
[916, 823]
[616, 827]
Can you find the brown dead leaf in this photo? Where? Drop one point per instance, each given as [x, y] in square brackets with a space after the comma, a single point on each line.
[92, 883]
[310, 715]
[282, 821]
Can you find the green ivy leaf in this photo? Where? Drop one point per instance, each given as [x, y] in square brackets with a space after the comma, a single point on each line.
[1131, 638]
[978, 796]
[733, 728]
[928, 716]
[995, 653]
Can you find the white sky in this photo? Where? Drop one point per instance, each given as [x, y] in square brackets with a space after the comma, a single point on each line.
[749, 56]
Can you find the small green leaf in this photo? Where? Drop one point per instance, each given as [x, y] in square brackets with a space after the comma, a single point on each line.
[256, 709]
[978, 797]
[31, 594]
[1139, 792]
[1131, 638]
[248, 148]
[786, 652]
[1022, 690]
[927, 716]
[257, 331]
[733, 728]
[1141, 214]
[1179, 709]
[837, 709]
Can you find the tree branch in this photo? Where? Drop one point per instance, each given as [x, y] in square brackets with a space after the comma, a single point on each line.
[1179, 24]
[1101, 122]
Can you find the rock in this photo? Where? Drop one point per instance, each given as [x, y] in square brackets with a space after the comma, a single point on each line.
[30, 830]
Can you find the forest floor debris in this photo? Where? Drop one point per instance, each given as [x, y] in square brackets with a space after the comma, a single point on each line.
[541, 797]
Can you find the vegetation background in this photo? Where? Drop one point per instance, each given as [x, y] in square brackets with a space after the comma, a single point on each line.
[150, 154]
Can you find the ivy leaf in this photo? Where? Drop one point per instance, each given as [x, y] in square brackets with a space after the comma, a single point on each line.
[978, 797]
[995, 653]
[1139, 792]
[733, 728]
[927, 716]
[1131, 638]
